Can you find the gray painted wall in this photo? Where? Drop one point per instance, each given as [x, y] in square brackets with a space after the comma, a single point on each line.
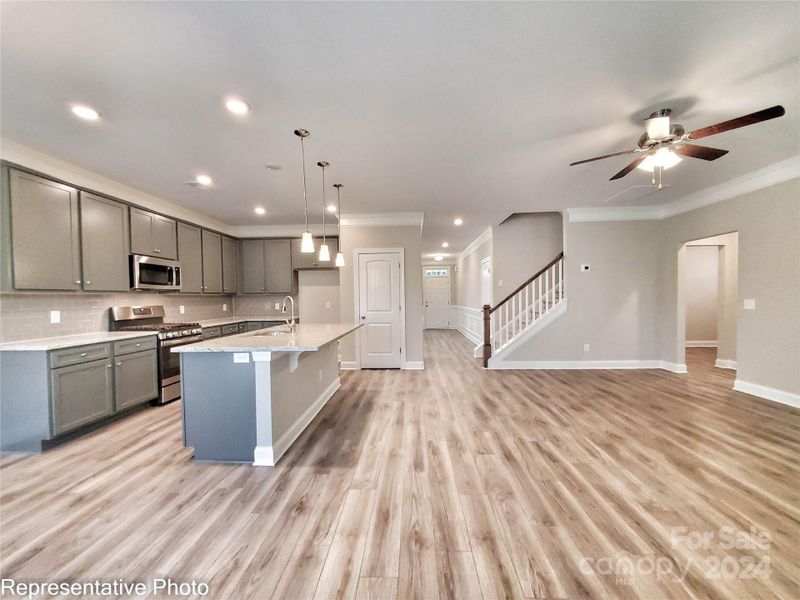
[468, 276]
[702, 269]
[319, 296]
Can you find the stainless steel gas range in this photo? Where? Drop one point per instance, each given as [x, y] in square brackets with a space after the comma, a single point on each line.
[151, 318]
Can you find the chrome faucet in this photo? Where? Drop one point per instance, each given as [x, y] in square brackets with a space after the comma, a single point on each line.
[291, 324]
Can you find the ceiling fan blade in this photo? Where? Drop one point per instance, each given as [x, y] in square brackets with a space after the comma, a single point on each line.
[580, 162]
[702, 152]
[756, 117]
[629, 168]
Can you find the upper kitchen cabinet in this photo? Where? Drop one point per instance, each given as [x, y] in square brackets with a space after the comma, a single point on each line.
[190, 255]
[278, 266]
[153, 235]
[266, 267]
[311, 260]
[212, 262]
[45, 233]
[230, 283]
[105, 244]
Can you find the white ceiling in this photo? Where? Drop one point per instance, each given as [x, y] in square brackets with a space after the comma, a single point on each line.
[468, 109]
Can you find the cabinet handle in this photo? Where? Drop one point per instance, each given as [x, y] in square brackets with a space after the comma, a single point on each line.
[83, 353]
[78, 281]
[119, 364]
[88, 283]
[109, 366]
[139, 344]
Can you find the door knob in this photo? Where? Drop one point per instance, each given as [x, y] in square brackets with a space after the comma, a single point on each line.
[363, 317]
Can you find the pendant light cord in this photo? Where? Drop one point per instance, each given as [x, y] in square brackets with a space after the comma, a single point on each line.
[324, 208]
[305, 193]
[339, 218]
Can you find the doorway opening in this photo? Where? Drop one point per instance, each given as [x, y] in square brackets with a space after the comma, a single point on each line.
[708, 301]
[436, 282]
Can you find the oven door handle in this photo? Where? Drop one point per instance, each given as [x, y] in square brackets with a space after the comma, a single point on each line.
[181, 341]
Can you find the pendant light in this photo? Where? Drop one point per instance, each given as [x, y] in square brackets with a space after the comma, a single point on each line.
[339, 255]
[307, 245]
[324, 252]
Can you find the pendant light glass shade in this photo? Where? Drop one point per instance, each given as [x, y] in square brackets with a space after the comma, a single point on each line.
[307, 245]
[339, 255]
[324, 253]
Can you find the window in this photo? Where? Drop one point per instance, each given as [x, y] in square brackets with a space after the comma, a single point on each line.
[435, 272]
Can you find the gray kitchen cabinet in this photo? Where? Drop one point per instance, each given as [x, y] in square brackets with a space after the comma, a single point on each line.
[311, 261]
[253, 273]
[242, 327]
[153, 235]
[104, 244]
[209, 333]
[135, 379]
[278, 266]
[45, 233]
[231, 329]
[212, 262]
[230, 284]
[81, 394]
[190, 255]
[255, 325]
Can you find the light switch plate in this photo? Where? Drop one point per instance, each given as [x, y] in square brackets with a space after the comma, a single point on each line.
[55, 316]
[586, 347]
[749, 303]
[277, 306]
[499, 283]
[241, 357]
[224, 307]
[182, 309]
[327, 305]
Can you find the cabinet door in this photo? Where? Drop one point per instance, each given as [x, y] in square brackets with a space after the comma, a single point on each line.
[253, 281]
[104, 244]
[165, 237]
[81, 394]
[45, 234]
[303, 261]
[135, 378]
[153, 235]
[190, 255]
[229, 274]
[278, 260]
[212, 263]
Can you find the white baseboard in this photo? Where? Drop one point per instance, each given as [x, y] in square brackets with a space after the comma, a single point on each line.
[267, 456]
[701, 343]
[414, 365]
[588, 364]
[725, 363]
[768, 393]
[348, 365]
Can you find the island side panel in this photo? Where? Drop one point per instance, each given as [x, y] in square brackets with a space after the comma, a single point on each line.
[298, 396]
[24, 401]
[219, 408]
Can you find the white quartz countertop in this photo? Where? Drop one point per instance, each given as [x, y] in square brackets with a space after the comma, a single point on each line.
[70, 341]
[229, 320]
[306, 338]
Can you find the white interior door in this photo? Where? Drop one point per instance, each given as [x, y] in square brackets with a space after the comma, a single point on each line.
[379, 309]
[437, 300]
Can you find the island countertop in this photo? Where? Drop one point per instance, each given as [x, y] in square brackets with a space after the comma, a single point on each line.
[308, 337]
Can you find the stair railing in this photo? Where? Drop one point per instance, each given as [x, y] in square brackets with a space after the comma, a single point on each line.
[523, 307]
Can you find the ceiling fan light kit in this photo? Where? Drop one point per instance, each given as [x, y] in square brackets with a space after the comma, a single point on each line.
[663, 144]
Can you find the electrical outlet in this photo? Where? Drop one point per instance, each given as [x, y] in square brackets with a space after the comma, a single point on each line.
[241, 357]
[749, 303]
[584, 267]
[182, 309]
[55, 316]
[327, 305]
[500, 283]
[277, 306]
[586, 347]
[320, 374]
[224, 307]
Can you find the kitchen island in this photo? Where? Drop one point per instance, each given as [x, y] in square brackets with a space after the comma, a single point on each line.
[247, 397]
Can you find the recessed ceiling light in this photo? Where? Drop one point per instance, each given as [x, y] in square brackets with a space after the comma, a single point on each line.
[237, 106]
[85, 112]
[458, 221]
[260, 210]
[445, 244]
[203, 180]
[331, 208]
[438, 258]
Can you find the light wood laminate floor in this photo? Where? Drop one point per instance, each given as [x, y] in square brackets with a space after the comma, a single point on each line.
[452, 482]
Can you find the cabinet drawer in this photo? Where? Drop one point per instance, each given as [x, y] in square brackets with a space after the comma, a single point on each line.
[230, 329]
[242, 327]
[79, 354]
[134, 345]
[211, 332]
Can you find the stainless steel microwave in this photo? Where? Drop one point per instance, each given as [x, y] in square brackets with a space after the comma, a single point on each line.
[150, 273]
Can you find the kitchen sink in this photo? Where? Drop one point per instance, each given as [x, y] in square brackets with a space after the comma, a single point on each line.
[270, 333]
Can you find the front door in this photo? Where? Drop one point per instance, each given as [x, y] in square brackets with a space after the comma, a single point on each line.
[437, 298]
[380, 310]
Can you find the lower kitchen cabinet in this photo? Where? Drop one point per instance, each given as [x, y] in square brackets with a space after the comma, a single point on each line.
[81, 394]
[135, 379]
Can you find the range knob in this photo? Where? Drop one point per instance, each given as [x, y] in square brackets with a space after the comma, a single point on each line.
[170, 334]
[186, 332]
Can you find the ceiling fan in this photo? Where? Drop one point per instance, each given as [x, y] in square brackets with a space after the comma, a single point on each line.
[663, 144]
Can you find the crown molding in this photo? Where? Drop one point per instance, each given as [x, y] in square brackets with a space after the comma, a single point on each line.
[474, 244]
[260, 231]
[773, 174]
[400, 219]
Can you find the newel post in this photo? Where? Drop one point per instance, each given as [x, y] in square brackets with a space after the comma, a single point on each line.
[487, 332]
